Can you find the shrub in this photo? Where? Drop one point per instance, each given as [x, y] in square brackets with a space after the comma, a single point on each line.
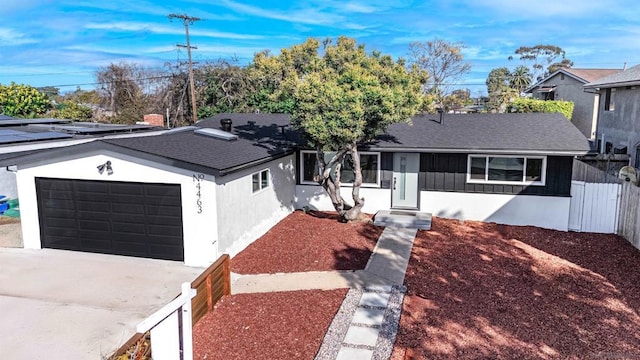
[524, 105]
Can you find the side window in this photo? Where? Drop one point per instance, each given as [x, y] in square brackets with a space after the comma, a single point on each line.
[369, 164]
[260, 180]
[609, 99]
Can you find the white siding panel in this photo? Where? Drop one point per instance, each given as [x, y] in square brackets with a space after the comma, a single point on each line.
[243, 215]
[601, 208]
[594, 207]
[577, 204]
[316, 198]
[549, 212]
[199, 223]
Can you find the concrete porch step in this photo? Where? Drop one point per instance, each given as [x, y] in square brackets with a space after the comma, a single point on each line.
[403, 218]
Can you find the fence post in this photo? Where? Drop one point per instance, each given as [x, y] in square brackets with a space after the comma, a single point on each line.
[226, 268]
[187, 325]
[164, 325]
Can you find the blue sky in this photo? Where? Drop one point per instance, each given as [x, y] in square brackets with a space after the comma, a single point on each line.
[63, 42]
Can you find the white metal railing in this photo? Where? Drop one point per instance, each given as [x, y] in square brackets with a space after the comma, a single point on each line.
[165, 328]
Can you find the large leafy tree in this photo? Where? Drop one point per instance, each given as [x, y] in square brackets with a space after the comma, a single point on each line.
[71, 110]
[504, 86]
[544, 59]
[442, 61]
[520, 78]
[129, 91]
[23, 101]
[498, 88]
[341, 96]
[223, 86]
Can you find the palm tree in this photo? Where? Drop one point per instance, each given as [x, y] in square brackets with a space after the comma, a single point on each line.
[520, 78]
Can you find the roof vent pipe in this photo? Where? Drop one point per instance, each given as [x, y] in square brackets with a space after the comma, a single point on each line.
[441, 115]
[225, 125]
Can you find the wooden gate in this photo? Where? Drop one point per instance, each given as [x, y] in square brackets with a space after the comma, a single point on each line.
[594, 207]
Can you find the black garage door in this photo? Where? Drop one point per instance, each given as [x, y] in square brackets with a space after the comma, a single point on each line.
[121, 218]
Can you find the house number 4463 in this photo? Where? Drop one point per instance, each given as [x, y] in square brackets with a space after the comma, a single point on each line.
[197, 179]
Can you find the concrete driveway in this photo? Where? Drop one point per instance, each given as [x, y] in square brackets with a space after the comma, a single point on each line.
[71, 305]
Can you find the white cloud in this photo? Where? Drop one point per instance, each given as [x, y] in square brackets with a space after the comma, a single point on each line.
[168, 30]
[310, 16]
[9, 37]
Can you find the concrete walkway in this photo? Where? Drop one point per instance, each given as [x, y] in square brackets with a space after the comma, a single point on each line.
[386, 266]
[366, 324]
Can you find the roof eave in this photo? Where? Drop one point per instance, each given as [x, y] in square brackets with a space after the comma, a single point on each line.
[481, 151]
[613, 85]
[48, 156]
[233, 169]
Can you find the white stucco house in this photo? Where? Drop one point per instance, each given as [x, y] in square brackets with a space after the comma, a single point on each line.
[194, 193]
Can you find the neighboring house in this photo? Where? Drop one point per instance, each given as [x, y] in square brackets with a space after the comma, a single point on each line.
[567, 84]
[618, 128]
[194, 193]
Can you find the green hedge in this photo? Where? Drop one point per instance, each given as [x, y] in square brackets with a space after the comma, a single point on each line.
[525, 105]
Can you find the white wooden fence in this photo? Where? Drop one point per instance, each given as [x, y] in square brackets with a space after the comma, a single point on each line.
[165, 325]
[594, 207]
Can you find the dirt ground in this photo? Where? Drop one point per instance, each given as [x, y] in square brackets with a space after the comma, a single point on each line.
[486, 291]
[309, 242]
[278, 325]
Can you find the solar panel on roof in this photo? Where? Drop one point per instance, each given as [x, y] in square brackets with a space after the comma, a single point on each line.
[99, 128]
[46, 136]
[6, 132]
[21, 122]
[14, 136]
[6, 139]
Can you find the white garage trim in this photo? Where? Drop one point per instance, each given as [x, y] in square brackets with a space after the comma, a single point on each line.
[198, 191]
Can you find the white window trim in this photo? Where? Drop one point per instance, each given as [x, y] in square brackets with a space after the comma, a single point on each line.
[342, 184]
[259, 173]
[496, 182]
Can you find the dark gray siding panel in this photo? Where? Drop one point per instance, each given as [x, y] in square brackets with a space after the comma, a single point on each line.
[448, 172]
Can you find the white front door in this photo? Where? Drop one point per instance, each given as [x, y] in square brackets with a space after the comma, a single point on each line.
[404, 185]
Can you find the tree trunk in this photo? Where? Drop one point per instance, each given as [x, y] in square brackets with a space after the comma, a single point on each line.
[354, 213]
[331, 184]
[329, 178]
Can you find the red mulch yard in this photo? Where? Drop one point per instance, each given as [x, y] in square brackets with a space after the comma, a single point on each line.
[280, 325]
[309, 242]
[486, 291]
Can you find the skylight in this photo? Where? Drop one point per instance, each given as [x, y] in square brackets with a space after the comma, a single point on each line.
[218, 134]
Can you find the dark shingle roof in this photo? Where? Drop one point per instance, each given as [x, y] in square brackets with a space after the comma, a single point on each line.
[261, 140]
[534, 132]
[629, 77]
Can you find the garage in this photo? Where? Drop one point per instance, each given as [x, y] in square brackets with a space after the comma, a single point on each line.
[111, 217]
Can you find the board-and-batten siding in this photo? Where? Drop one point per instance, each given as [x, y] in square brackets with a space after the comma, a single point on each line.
[448, 172]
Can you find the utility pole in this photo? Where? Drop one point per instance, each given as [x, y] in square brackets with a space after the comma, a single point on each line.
[189, 20]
